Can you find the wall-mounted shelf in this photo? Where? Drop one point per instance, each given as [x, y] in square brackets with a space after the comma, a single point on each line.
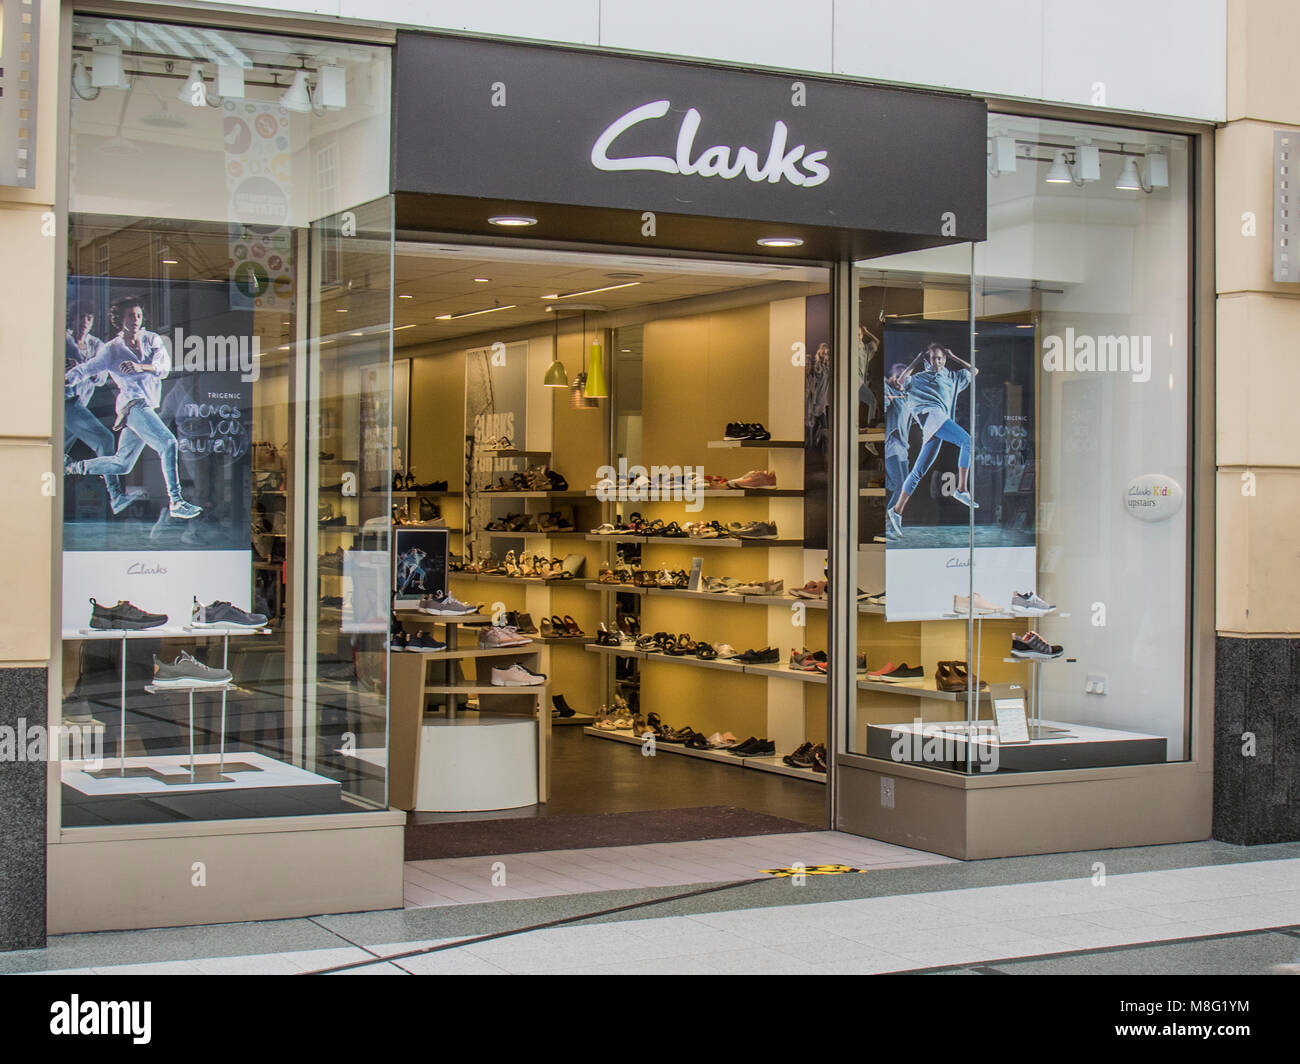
[759, 444]
[763, 763]
[687, 541]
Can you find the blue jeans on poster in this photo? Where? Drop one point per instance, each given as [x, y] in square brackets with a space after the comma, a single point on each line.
[80, 424]
[143, 427]
[895, 473]
[952, 433]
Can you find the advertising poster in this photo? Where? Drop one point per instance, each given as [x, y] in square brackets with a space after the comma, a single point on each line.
[937, 472]
[496, 410]
[157, 446]
[816, 420]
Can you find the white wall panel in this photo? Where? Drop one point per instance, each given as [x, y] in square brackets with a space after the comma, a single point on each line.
[1156, 56]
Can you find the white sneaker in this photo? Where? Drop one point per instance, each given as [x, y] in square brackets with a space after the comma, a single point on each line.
[961, 605]
[893, 525]
[445, 605]
[964, 498]
[1030, 605]
[516, 676]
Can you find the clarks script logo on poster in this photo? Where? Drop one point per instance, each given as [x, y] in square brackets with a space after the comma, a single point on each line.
[1153, 497]
[716, 161]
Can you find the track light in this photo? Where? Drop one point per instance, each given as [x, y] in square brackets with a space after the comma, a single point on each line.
[297, 97]
[1157, 169]
[1059, 174]
[1002, 155]
[194, 91]
[1129, 178]
[81, 83]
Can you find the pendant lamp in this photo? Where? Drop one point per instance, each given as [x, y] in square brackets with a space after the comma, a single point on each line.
[578, 398]
[597, 386]
[556, 376]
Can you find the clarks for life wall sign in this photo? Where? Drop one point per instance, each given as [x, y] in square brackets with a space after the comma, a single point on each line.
[544, 125]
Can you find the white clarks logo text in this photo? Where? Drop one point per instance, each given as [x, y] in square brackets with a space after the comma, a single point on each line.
[103, 1017]
[718, 161]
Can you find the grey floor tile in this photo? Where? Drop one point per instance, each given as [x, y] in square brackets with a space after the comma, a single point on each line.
[1242, 955]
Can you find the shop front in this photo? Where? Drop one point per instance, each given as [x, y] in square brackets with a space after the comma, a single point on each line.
[456, 427]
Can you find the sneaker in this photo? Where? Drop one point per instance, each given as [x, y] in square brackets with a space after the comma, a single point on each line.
[965, 499]
[185, 511]
[187, 671]
[755, 530]
[736, 430]
[1030, 605]
[1033, 647]
[444, 604]
[757, 478]
[517, 676]
[899, 674]
[766, 656]
[501, 636]
[123, 499]
[724, 651]
[224, 615]
[961, 605]
[123, 617]
[424, 643]
[880, 674]
[801, 757]
[396, 641]
[893, 525]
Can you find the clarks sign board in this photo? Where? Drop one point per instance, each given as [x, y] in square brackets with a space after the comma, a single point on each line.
[543, 125]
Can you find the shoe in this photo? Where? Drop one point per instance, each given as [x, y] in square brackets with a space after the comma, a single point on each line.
[444, 604]
[965, 499]
[523, 624]
[757, 478]
[814, 589]
[953, 677]
[424, 643]
[119, 502]
[724, 651]
[819, 758]
[516, 676]
[724, 741]
[807, 661]
[561, 707]
[187, 671]
[223, 615]
[1030, 605]
[736, 430]
[494, 636]
[1033, 647]
[801, 757]
[755, 530]
[396, 641]
[757, 432]
[123, 617]
[752, 747]
[880, 674]
[185, 511]
[766, 656]
[899, 674]
[961, 605]
[893, 525]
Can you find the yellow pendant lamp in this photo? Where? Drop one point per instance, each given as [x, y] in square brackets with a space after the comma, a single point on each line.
[597, 386]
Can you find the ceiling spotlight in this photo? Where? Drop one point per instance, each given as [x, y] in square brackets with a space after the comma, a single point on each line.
[108, 71]
[171, 262]
[332, 87]
[473, 313]
[1129, 178]
[512, 220]
[779, 242]
[81, 83]
[194, 90]
[296, 97]
[589, 291]
[1059, 174]
[405, 296]
[482, 280]
[230, 81]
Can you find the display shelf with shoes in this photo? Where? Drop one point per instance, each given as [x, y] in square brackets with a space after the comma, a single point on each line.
[758, 762]
[759, 444]
[923, 688]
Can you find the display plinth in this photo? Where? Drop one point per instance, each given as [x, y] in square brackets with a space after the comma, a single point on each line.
[943, 745]
[469, 764]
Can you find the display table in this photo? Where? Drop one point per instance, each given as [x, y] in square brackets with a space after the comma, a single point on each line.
[477, 764]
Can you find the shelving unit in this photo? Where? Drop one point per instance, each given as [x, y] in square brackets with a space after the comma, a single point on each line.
[761, 763]
[687, 541]
[764, 445]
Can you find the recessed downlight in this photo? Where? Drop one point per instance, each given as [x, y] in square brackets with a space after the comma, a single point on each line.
[482, 280]
[473, 313]
[512, 220]
[404, 296]
[779, 242]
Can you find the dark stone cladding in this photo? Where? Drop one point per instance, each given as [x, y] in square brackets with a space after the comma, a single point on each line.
[22, 811]
[1257, 691]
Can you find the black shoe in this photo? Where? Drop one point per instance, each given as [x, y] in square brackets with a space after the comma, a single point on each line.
[1033, 647]
[805, 752]
[745, 748]
[758, 432]
[123, 617]
[766, 656]
[736, 430]
[561, 706]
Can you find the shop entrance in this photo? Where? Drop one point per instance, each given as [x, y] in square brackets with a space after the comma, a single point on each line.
[610, 450]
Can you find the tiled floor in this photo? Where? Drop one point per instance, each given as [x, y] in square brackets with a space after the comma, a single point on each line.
[464, 880]
[1072, 924]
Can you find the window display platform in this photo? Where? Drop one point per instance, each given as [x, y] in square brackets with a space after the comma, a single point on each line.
[1060, 746]
[146, 789]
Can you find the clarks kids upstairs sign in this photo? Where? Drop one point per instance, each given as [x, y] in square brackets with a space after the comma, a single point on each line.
[542, 125]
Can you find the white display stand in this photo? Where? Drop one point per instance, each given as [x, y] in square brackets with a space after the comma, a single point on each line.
[467, 764]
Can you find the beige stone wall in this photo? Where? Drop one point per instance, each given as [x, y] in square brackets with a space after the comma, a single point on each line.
[28, 285]
[1258, 335]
